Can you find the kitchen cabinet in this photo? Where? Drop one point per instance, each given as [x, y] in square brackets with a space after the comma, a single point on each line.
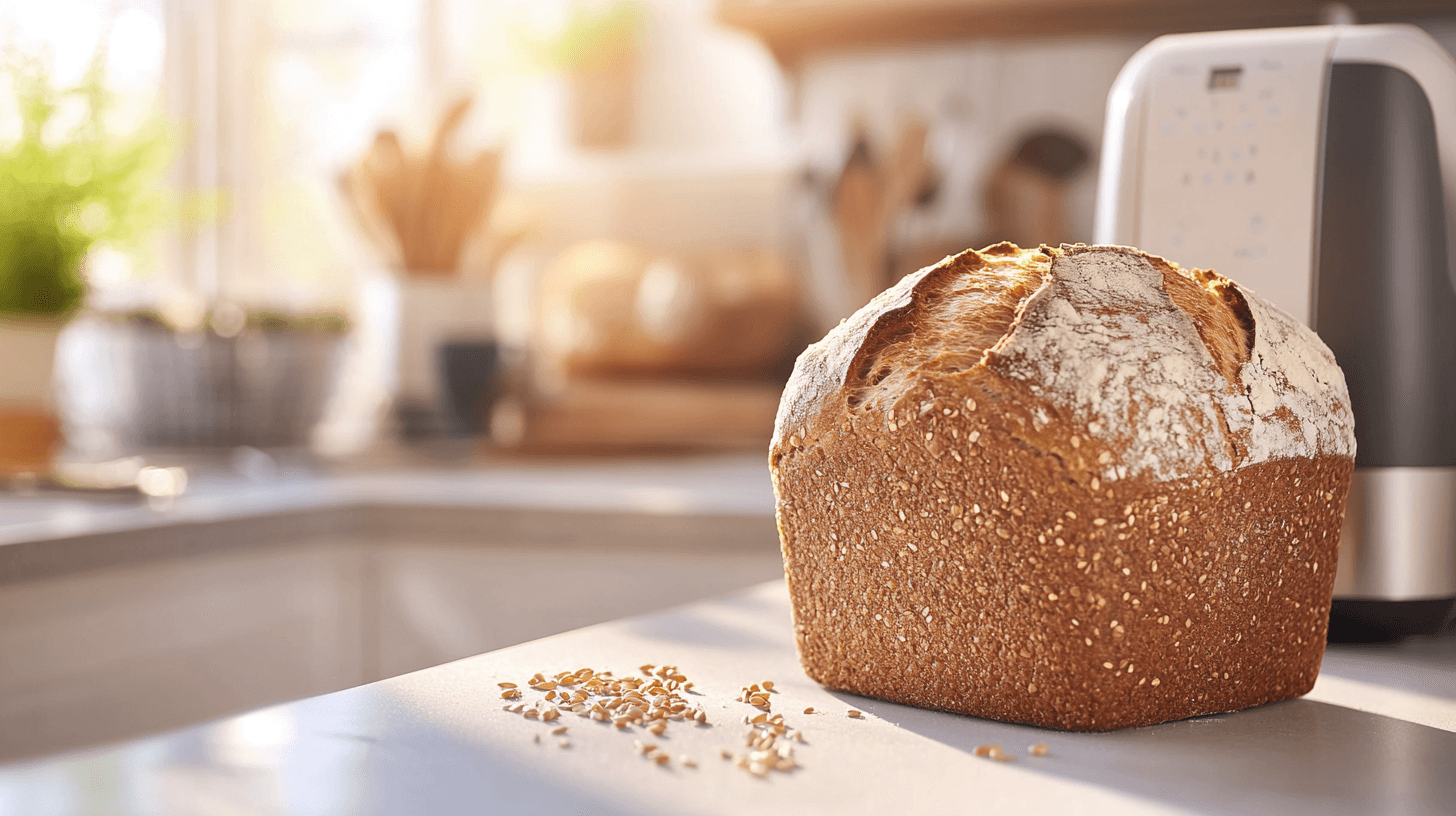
[113, 654]
[106, 655]
[137, 621]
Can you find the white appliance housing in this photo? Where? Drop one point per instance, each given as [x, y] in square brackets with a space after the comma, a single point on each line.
[1317, 166]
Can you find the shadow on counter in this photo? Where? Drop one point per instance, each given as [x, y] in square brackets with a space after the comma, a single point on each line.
[1291, 757]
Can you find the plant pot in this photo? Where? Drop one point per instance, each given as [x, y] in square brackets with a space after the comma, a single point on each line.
[29, 428]
[601, 105]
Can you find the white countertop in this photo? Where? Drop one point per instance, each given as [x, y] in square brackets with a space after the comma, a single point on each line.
[1377, 735]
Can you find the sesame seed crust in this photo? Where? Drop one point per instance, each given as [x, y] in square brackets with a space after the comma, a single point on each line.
[935, 557]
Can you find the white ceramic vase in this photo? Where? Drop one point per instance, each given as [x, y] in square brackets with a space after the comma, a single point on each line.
[432, 311]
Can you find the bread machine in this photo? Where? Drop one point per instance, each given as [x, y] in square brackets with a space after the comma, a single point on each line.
[1317, 166]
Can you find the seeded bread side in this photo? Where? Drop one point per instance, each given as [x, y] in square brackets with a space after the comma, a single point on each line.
[957, 533]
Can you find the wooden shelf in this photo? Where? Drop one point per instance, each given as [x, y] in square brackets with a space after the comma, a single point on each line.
[796, 28]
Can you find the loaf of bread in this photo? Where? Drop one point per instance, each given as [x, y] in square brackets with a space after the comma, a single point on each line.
[1080, 488]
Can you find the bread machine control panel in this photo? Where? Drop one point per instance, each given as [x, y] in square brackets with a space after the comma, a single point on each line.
[1229, 181]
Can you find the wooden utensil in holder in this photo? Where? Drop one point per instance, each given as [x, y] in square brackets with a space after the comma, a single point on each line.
[422, 212]
[870, 195]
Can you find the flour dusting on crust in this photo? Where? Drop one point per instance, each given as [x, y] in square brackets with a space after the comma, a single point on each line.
[1297, 395]
[1104, 340]
[1102, 347]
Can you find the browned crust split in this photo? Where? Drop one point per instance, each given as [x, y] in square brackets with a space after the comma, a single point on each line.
[943, 552]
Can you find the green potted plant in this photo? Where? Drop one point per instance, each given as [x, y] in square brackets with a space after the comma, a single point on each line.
[63, 191]
[596, 50]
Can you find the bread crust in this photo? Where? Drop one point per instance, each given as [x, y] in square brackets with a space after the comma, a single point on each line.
[974, 519]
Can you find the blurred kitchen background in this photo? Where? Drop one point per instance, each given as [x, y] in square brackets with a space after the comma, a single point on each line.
[354, 229]
[467, 254]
